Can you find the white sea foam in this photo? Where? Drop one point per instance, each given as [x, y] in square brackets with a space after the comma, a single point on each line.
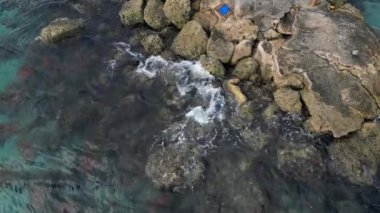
[188, 76]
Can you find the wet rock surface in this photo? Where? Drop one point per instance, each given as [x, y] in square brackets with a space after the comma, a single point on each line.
[61, 28]
[132, 12]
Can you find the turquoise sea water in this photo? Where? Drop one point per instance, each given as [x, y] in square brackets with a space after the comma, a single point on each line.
[45, 170]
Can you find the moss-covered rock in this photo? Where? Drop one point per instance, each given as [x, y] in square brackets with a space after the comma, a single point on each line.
[288, 100]
[245, 68]
[219, 48]
[153, 44]
[178, 11]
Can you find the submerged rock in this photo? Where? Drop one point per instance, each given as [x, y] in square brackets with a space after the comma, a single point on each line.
[131, 12]
[61, 28]
[153, 44]
[357, 158]
[174, 167]
[154, 15]
[191, 41]
[301, 161]
[178, 11]
[212, 65]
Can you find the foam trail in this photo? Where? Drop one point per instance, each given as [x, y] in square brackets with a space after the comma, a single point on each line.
[187, 75]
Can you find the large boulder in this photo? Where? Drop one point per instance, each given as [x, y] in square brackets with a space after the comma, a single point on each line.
[245, 68]
[61, 28]
[132, 13]
[339, 72]
[154, 15]
[206, 18]
[191, 41]
[219, 48]
[178, 11]
[357, 158]
[212, 65]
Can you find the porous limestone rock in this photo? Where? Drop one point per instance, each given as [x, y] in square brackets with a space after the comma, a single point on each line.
[132, 13]
[236, 30]
[206, 18]
[154, 15]
[191, 41]
[178, 11]
[245, 68]
[153, 44]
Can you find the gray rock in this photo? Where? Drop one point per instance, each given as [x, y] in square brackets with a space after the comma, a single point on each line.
[219, 48]
[61, 28]
[245, 68]
[178, 11]
[154, 15]
[191, 41]
[212, 65]
[131, 12]
[153, 44]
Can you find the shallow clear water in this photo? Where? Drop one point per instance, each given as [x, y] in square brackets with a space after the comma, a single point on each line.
[79, 119]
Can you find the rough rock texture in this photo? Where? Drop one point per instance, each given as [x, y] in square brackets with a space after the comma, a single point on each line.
[191, 41]
[212, 65]
[178, 11]
[153, 44]
[300, 161]
[131, 12]
[61, 28]
[230, 86]
[207, 19]
[245, 68]
[288, 100]
[339, 72]
[271, 34]
[176, 166]
[219, 48]
[242, 49]
[356, 158]
[154, 15]
[236, 30]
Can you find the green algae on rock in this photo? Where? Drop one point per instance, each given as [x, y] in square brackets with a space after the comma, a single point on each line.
[212, 65]
[132, 13]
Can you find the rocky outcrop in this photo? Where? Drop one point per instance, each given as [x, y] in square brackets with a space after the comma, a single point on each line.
[288, 100]
[338, 72]
[212, 65]
[178, 11]
[154, 15]
[357, 158]
[132, 13]
[219, 48]
[236, 30]
[191, 41]
[153, 44]
[61, 28]
[174, 167]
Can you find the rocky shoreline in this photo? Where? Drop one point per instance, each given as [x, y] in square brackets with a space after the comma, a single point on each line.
[318, 59]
